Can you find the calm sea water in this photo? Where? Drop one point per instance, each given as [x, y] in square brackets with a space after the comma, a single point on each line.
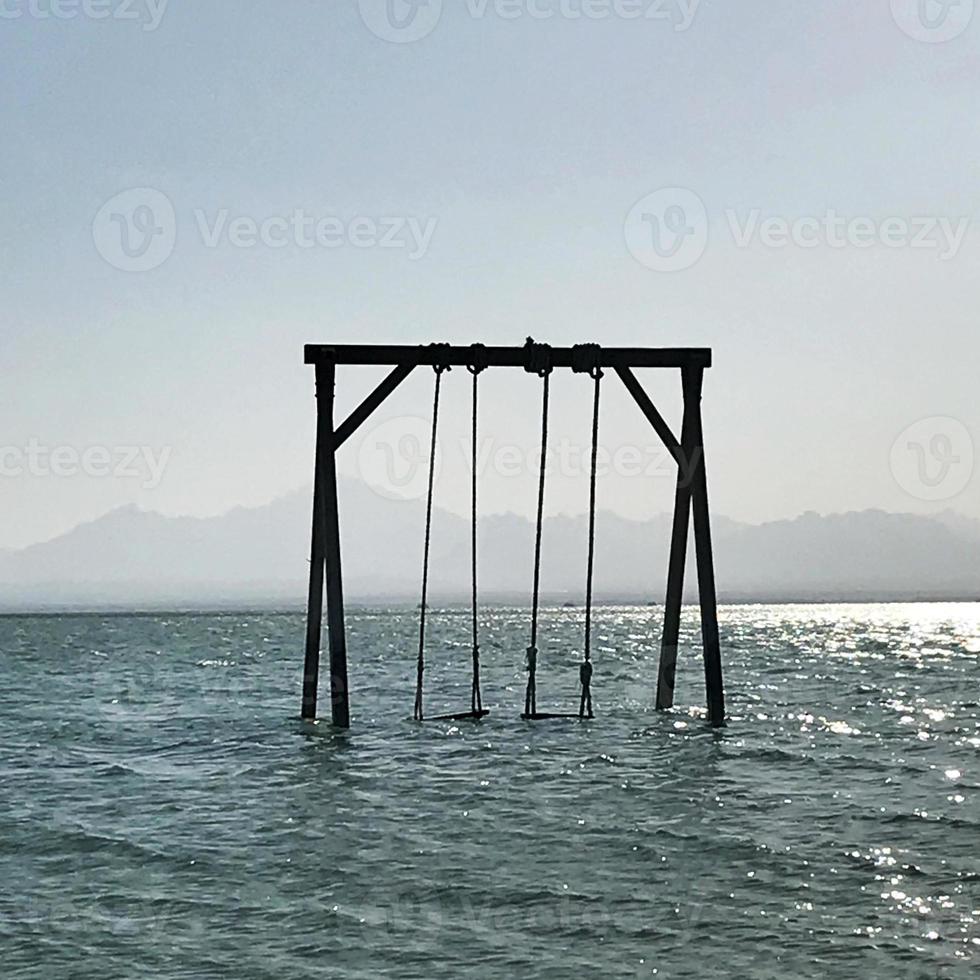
[163, 813]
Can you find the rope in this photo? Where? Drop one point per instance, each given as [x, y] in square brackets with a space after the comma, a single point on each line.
[439, 368]
[478, 364]
[537, 361]
[537, 358]
[585, 671]
[586, 359]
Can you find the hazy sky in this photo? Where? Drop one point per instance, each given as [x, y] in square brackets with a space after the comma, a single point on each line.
[479, 183]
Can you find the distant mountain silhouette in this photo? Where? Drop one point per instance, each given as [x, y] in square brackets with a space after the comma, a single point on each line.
[260, 555]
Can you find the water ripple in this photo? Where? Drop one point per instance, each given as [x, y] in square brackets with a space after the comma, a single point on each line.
[164, 813]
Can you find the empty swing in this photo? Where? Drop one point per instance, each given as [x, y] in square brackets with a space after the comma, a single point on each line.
[478, 362]
[585, 360]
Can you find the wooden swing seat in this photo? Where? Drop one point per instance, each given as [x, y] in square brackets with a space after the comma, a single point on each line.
[462, 716]
[548, 715]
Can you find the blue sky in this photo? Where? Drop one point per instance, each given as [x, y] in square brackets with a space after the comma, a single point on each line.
[524, 144]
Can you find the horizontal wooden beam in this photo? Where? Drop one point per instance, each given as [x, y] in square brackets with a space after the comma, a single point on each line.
[561, 357]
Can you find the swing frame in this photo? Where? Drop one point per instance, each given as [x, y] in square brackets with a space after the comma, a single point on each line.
[691, 496]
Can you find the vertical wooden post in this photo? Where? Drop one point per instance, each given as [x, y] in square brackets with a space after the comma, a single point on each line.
[714, 683]
[340, 705]
[326, 558]
[314, 610]
[678, 559]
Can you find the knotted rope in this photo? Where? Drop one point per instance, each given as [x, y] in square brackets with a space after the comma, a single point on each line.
[586, 360]
[478, 363]
[537, 360]
[440, 365]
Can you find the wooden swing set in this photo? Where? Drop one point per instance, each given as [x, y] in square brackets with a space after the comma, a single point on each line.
[691, 495]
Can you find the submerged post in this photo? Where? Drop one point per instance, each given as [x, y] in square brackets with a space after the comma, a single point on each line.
[666, 679]
[714, 683]
[314, 610]
[691, 490]
[326, 559]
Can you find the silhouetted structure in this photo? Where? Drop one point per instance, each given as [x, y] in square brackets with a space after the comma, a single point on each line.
[542, 360]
